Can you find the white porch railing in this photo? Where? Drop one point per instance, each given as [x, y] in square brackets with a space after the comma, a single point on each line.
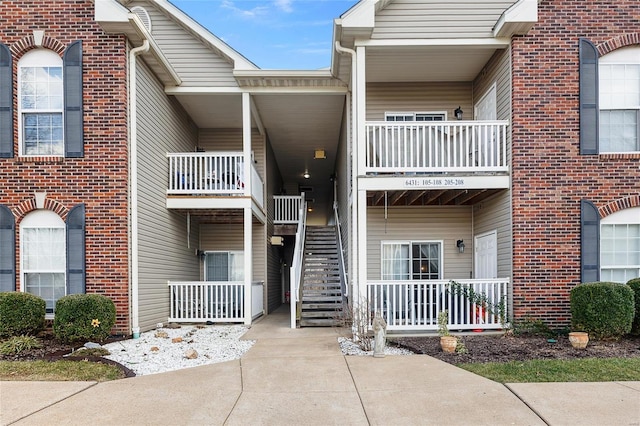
[297, 264]
[438, 146]
[201, 301]
[287, 208]
[202, 173]
[414, 305]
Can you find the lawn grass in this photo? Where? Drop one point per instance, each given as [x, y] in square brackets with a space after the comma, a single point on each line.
[58, 371]
[556, 370]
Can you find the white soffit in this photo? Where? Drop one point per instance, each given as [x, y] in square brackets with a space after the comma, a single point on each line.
[518, 19]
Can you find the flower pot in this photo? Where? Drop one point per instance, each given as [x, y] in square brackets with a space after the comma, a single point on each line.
[448, 343]
[579, 339]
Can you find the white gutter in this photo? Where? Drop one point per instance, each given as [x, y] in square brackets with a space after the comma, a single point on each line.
[353, 246]
[133, 182]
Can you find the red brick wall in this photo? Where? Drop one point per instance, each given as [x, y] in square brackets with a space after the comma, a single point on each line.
[100, 178]
[549, 176]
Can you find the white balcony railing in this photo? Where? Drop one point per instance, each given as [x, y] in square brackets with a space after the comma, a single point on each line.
[201, 301]
[287, 208]
[439, 146]
[414, 305]
[212, 173]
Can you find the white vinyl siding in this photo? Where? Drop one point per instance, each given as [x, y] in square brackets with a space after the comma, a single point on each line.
[416, 224]
[169, 255]
[195, 62]
[495, 214]
[412, 19]
[231, 140]
[417, 97]
[274, 291]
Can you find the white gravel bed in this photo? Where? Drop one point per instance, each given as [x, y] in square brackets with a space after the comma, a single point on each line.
[349, 347]
[152, 353]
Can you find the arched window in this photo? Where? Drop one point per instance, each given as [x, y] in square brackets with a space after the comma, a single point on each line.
[620, 246]
[619, 100]
[40, 103]
[43, 256]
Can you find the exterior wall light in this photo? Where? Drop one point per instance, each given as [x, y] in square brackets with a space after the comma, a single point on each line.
[458, 113]
[460, 245]
[306, 175]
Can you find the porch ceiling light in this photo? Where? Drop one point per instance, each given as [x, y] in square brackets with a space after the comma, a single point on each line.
[460, 245]
[306, 174]
[319, 154]
[458, 113]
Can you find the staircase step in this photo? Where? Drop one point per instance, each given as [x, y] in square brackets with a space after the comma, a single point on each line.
[319, 322]
[321, 299]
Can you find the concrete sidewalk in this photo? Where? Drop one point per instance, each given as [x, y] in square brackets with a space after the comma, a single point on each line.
[293, 377]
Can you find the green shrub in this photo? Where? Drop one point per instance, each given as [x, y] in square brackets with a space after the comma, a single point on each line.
[635, 286]
[18, 344]
[84, 317]
[533, 327]
[21, 313]
[602, 309]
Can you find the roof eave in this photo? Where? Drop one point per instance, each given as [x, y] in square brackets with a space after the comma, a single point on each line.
[518, 19]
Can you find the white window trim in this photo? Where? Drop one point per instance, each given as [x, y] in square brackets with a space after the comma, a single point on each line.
[41, 218]
[414, 114]
[410, 244]
[629, 216]
[38, 58]
[624, 56]
[227, 252]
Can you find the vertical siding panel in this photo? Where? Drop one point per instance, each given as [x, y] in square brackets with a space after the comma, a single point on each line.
[429, 223]
[165, 254]
[274, 288]
[495, 214]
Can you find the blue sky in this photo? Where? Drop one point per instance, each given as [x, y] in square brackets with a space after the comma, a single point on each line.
[273, 34]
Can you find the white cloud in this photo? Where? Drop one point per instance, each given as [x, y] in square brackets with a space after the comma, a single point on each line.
[245, 13]
[284, 5]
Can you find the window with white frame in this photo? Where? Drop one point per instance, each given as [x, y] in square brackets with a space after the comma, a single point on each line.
[620, 246]
[43, 256]
[619, 81]
[224, 266]
[415, 116]
[411, 260]
[40, 103]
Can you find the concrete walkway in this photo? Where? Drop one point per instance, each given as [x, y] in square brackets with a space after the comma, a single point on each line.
[293, 377]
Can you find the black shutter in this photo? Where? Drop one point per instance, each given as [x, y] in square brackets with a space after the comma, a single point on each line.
[73, 126]
[589, 242]
[76, 250]
[6, 103]
[588, 97]
[7, 250]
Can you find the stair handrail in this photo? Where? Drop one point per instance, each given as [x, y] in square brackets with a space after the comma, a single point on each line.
[296, 264]
[343, 272]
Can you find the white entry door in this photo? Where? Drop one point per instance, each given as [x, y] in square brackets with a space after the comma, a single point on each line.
[486, 255]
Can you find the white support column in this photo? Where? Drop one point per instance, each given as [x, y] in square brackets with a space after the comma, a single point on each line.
[248, 263]
[248, 215]
[362, 244]
[360, 205]
[246, 142]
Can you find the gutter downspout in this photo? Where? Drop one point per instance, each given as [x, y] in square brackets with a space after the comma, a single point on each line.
[133, 182]
[353, 120]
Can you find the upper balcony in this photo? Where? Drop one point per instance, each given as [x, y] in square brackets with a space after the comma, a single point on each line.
[206, 179]
[468, 147]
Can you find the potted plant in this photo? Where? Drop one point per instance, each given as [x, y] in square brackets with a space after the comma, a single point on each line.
[448, 342]
[579, 339]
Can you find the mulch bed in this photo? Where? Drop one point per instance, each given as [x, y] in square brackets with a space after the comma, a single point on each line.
[55, 350]
[503, 348]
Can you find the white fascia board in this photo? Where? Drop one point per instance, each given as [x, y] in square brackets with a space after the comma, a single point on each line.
[200, 203]
[420, 183]
[297, 90]
[110, 11]
[202, 90]
[282, 74]
[488, 42]
[361, 15]
[518, 19]
[239, 61]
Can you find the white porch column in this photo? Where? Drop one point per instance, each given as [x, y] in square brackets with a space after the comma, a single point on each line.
[360, 196]
[248, 215]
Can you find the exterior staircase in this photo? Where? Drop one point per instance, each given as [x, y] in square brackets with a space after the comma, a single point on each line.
[322, 298]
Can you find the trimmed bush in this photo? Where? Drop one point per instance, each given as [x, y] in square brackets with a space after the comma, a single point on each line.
[635, 286]
[21, 314]
[602, 309]
[82, 317]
